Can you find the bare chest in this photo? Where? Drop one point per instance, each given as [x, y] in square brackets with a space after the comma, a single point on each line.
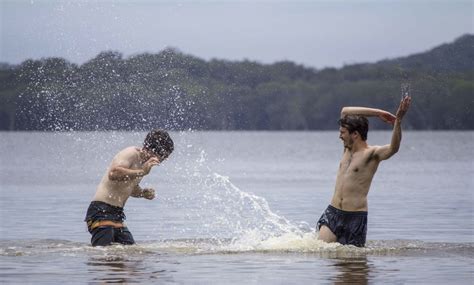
[356, 163]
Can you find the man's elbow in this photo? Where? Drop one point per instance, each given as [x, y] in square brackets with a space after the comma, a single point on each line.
[115, 175]
[343, 112]
[394, 150]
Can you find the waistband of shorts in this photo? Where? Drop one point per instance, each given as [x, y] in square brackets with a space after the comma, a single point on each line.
[352, 213]
[100, 203]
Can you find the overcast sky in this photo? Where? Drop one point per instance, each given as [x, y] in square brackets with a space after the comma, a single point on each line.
[313, 33]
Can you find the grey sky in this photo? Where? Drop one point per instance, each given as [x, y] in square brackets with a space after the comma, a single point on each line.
[313, 33]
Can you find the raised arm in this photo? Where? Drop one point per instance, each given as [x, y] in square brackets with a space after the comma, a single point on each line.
[386, 151]
[369, 112]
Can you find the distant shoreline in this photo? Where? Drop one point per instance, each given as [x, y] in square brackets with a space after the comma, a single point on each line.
[177, 91]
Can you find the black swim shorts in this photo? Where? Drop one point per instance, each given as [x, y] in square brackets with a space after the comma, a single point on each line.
[105, 235]
[349, 227]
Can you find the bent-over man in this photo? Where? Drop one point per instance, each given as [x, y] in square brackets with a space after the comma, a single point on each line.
[105, 217]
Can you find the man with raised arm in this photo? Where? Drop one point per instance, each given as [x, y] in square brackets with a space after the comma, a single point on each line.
[345, 219]
[105, 216]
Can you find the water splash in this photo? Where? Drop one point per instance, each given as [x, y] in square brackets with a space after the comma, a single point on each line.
[237, 220]
[405, 88]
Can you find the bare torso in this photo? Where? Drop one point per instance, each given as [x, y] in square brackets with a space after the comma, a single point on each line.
[354, 177]
[117, 192]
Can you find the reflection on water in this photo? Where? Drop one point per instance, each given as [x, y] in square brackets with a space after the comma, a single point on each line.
[352, 271]
[119, 269]
[113, 269]
[120, 265]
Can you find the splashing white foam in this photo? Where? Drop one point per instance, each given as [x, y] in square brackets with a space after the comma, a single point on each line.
[240, 220]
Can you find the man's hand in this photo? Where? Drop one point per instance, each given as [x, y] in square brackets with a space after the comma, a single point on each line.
[149, 164]
[148, 193]
[387, 117]
[403, 108]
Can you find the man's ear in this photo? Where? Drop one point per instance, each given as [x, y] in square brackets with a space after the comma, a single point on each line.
[356, 134]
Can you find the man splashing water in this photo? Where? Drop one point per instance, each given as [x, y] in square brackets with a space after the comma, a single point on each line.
[345, 219]
[105, 216]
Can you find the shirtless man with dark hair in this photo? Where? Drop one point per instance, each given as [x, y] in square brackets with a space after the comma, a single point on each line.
[345, 219]
[105, 217]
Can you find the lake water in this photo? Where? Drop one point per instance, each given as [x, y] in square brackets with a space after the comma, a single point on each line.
[237, 207]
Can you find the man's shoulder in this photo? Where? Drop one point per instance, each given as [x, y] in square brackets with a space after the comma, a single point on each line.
[372, 147]
[131, 149]
[367, 150]
[128, 152]
[372, 153]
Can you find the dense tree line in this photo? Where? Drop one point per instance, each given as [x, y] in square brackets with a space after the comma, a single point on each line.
[176, 91]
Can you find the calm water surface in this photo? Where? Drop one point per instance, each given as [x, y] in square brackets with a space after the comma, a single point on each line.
[235, 207]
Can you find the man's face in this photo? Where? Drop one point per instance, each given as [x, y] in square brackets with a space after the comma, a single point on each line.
[161, 157]
[346, 137]
[149, 154]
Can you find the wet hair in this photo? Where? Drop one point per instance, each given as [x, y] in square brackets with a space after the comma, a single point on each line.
[159, 142]
[354, 123]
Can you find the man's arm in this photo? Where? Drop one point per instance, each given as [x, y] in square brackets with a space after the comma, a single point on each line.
[121, 173]
[146, 193]
[368, 112]
[137, 192]
[386, 151]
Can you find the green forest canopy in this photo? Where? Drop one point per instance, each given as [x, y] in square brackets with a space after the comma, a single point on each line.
[176, 91]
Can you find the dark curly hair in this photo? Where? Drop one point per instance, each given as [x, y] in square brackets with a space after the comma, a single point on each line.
[354, 123]
[159, 142]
